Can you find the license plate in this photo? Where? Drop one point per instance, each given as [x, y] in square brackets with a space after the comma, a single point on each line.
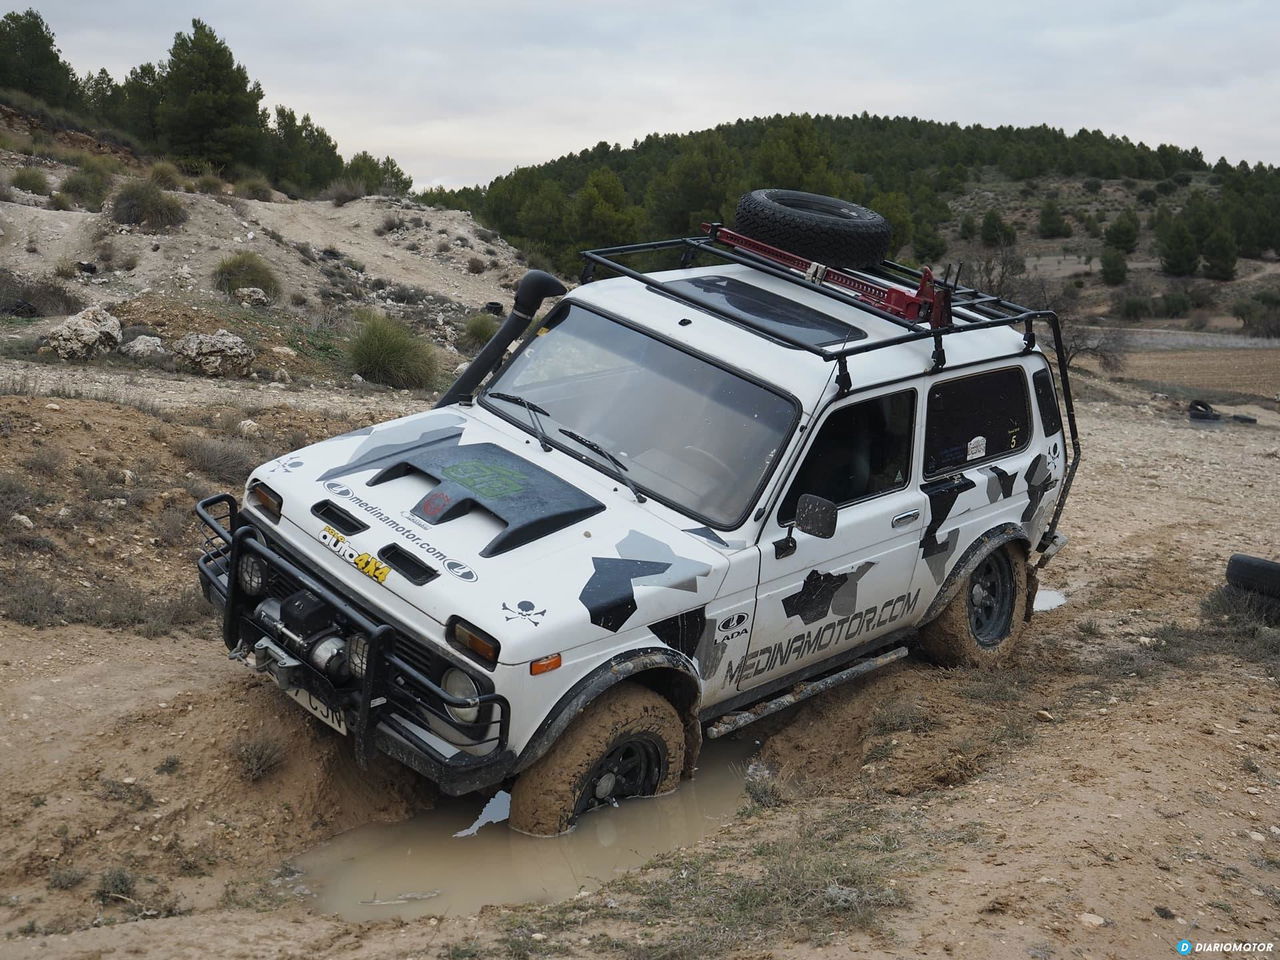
[313, 704]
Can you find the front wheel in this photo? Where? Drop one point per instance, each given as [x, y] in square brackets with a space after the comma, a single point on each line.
[627, 743]
[984, 620]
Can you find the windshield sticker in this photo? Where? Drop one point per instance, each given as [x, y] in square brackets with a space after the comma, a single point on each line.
[486, 479]
[977, 448]
[455, 567]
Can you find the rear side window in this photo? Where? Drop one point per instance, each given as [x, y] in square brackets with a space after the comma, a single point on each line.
[976, 419]
[1047, 401]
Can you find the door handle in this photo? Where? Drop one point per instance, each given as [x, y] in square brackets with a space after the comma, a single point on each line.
[902, 519]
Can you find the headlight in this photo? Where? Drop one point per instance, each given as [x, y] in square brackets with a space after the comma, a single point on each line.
[458, 684]
[357, 654]
[252, 574]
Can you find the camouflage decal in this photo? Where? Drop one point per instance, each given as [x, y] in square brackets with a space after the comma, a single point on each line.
[381, 451]
[813, 602]
[1039, 480]
[999, 484]
[609, 595]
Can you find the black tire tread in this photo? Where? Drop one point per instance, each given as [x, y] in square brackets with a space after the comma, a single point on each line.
[1254, 574]
[832, 241]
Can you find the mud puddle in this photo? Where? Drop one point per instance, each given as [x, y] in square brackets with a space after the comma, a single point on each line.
[1048, 600]
[456, 858]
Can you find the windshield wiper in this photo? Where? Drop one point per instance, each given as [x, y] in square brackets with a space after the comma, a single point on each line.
[534, 411]
[596, 448]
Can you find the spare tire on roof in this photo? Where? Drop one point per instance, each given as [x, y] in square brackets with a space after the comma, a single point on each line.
[833, 232]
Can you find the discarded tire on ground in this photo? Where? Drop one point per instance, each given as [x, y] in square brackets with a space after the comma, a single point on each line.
[627, 743]
[984, 619]
[831, 231]
[1254, 574]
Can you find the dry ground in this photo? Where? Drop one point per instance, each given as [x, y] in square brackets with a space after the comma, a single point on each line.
[959, 822]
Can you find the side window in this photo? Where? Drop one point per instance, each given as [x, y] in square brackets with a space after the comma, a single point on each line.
[1047, 401]
[862, 450]
[975, 419]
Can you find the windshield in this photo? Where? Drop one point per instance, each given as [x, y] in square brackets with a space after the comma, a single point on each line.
[688, 432]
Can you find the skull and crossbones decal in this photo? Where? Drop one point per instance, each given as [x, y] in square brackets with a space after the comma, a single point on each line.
[524, 611]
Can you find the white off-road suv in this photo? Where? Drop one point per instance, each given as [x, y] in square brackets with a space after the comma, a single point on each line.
[684, 500]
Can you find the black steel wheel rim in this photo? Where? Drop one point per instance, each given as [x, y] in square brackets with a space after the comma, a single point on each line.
[991, 599]
[633, 767]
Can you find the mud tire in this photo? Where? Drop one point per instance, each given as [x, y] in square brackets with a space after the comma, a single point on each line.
[550, 795]
[952, 640]
[825, 229]
[1254, 574]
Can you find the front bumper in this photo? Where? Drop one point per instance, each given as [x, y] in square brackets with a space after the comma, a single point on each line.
[396, 707]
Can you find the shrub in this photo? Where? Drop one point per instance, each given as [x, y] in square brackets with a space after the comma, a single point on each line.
[6, 194]
[1173, 305]
[246, 270]
[45, 297]
[31, 180]
[87, 188]
[64, 269]
[254, 188]
[64, 878]
[1201, 296]
[165, 176]
[480, 328]
[1136, 308]
[444, 246]
[209, 183]
[257, 756]
[1092, 185]
[386, 351]
[475, 265]
[116, 883]
[146, 204]
[228, 460]
[1147, 196]
[1114, 267]
[343, 191]
[390, 223]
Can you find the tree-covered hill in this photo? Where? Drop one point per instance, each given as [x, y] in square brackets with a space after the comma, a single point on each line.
[911, 170]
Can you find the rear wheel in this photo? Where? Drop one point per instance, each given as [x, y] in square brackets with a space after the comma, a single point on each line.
[627, 743]
[985, 618]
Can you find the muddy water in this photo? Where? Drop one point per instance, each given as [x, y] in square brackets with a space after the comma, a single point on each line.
[460, 856]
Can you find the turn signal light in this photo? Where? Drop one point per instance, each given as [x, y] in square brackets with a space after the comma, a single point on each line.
[469, 638]
[266, 500]
[545, 664]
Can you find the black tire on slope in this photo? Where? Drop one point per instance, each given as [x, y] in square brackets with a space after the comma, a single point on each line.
[1254, 574]
[831, 231]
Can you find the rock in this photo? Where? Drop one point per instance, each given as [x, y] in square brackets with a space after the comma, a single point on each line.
[285, 351]
[252, 297]
[141, 348]
[356, 378]
[23, 521]
[458, 370]
[52, 406]
[281, 376]
[85, 267]
[1044, 716]
[1256, 837]
[248, 428]
[220, 354]
[1092, 920]
[128, 478]
[155, 248]
[87, 333]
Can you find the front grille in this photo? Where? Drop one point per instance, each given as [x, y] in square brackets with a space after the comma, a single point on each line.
[420, 657]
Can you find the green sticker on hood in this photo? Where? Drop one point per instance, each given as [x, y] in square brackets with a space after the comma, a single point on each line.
[486, 479]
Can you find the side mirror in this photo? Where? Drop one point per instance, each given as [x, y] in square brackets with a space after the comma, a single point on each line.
[816, 516]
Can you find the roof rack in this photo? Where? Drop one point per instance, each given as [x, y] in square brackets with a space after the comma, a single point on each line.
[928, 313]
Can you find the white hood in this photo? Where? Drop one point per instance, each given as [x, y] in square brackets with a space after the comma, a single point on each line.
[537, 549]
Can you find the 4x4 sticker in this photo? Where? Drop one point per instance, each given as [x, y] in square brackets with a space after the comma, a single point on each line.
[366, 563]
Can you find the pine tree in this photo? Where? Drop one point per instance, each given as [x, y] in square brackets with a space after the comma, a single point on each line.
[1178, 254]
[1123, 232]
[993, 229]
[210, 109]
[968, 227]
[1114, 267]
[1052, 223]
[928, 244]
[30, 62]
[1220, 255]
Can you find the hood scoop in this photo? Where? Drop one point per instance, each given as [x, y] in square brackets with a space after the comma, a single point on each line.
[530, 502]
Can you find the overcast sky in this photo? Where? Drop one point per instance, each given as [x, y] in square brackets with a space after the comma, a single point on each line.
[462, 91]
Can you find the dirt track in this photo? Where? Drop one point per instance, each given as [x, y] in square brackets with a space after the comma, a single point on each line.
[1134, 797]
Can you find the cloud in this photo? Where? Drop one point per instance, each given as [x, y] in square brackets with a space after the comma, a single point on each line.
[459, 93]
